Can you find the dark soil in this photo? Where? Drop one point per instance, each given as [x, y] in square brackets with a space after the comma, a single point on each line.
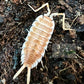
[64, 58]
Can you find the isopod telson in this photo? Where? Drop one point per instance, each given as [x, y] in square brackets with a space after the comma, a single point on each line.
[37, 40]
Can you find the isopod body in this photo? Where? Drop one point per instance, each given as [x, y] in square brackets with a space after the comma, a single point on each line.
[37, 40]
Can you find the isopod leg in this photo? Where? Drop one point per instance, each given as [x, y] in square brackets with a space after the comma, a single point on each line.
[46, 4]
[19, 71]
[28, 75]
[42, 63]
[63, 14]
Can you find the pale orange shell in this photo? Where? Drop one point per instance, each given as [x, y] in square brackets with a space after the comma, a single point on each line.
[37, 40]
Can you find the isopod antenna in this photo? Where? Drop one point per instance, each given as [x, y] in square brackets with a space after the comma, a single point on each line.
[28, 73]
[46, 4]
[19, 71]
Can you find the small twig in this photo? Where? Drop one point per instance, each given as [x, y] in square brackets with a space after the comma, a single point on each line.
[79, 56]
[77, 15]
[65, 69]
[74, 20]
[81, 66]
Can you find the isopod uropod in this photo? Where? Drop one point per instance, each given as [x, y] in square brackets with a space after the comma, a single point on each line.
[37, 40]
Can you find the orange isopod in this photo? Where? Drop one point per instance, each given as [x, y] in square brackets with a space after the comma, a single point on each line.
[37, 40]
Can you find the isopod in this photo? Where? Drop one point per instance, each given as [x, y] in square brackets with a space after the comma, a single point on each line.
[37, 40]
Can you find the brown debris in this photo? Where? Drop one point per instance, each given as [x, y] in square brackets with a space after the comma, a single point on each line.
[80, 51]
[81, 19]
[1, 19]
[72, 33]
[66, 5]
[16, 1]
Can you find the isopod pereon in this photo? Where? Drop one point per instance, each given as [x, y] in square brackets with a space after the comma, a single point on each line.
[37, 40]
